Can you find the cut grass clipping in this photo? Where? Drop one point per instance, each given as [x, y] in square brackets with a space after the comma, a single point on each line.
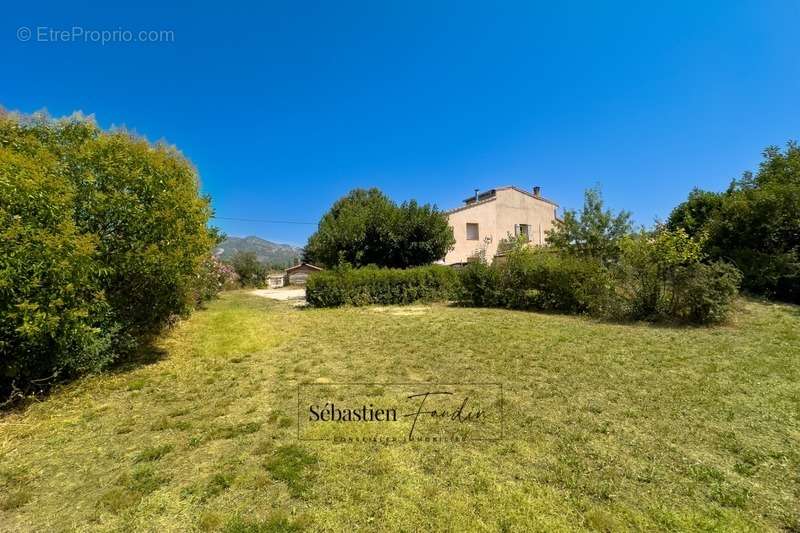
[609, 427]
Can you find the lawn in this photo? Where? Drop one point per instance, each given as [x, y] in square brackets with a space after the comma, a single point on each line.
[607, 426]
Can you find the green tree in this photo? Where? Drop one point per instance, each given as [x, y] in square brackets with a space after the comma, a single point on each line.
[592, 232]
[422, 235]
[365, 227]
[693, 214]
[250, 271]
[755, 224]
[664, 274]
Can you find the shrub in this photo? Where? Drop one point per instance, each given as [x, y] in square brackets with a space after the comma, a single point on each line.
[660, 276]
[54, 319]
[539, 279]
[703, 292]
[536, 279]
[663, 278]
[214, 276]
[103, 240]
[479, 285]
[385, 286]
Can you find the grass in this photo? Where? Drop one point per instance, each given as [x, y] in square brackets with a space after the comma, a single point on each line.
[610, 427]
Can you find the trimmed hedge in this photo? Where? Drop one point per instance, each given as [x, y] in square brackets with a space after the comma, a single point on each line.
[384, 286]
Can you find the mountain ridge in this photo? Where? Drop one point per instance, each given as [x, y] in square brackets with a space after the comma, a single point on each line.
[267, 252]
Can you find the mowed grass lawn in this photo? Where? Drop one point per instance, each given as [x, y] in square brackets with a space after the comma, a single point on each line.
[610, 427]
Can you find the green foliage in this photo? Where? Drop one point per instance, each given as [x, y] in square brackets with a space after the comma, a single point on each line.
[479, 285]
[537, 279]
[367, 228]
[692, 215]
[663, 278]
[658, 277]
[592, 233]
[54, 318]
[214, 276]
[703, 292]
[755, 224]
[103, 236]
[250, 271]
[385, 286]
[540, 279]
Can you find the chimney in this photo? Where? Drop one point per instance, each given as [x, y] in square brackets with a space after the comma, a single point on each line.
[476, 194]
[537, 191]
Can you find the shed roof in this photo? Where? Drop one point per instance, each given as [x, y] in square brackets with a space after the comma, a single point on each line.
[296, 267]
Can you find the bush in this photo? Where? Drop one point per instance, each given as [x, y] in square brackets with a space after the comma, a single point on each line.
[536, 279]
[659, 277]
[385, 286]
[103, 240]
[704, 292]
[663, 278]
[54, 319]
[214, 276]
[479, 285]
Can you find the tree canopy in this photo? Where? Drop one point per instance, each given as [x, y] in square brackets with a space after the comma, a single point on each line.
[592, 232]
[365, 227]
[755, 224]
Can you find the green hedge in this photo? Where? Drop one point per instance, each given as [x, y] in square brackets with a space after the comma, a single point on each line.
[385, 286]
[537, 280]
[687, 292]
[104, 239]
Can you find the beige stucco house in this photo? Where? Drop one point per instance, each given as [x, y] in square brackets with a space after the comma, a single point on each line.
[489, 216]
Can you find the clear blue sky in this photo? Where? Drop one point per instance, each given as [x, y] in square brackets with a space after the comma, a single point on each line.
[286, 106]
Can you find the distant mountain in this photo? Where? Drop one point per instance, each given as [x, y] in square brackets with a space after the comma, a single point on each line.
[267, 252]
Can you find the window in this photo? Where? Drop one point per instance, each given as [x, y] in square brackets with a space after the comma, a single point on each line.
[472, 231]
[524, 230]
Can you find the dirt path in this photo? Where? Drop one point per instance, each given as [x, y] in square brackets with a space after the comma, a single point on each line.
[281, 294]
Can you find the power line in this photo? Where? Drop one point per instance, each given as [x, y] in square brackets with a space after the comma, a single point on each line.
[265, 221]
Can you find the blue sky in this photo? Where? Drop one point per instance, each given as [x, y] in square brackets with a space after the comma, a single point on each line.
[286, 106]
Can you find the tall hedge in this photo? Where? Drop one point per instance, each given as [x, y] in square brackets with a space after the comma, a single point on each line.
[543, 280]
[104, 236]
[385, 286]
[658, 277]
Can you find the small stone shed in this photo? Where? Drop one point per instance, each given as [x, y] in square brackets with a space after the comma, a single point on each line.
[298, 274]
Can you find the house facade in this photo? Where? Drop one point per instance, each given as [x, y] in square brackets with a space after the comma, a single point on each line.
[489, 216]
